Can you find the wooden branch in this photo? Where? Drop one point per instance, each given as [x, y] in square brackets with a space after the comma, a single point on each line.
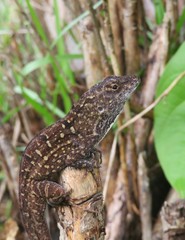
[117, 212]
[149, 9]
[109, 41]
[130, 37]
[157, 57]
[173, 221]
[96, 61]
[157, 231]
[93, 65]
[84, 217]
[144, 199]
[156, 61]
[113, 13]
[9, 164]
[103, 55]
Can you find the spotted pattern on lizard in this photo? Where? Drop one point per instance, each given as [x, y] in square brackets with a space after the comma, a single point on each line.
[70, 141]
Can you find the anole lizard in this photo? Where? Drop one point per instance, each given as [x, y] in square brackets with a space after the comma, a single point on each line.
[70, 141]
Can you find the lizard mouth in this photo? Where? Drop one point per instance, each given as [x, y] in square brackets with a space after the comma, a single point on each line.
[131, 83]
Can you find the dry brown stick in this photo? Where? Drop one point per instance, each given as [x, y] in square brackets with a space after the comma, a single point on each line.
[94, 69]
[9, 164]
[173, 223]
[117, 212]
[144, 199]
[157, 231]
[131, 47]
[132, 120]
[103, 54]
[116, 70]
[156, 61]
[113, 14]
[131, 154]
[21, 114]
[109, 40]
[124, 168]
[171, 8]
[131, 162]
[2, 188]
[123, 156]
[149, 10]
[132, 60]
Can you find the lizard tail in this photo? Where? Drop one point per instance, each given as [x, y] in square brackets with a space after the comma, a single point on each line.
[32, 209]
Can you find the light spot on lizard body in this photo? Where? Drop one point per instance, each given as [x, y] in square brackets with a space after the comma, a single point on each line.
[45, 158]
[90, 97]
[40, 165]
[38, 152]
[80, 136]
[62, 135]
[46, 166]
[48, 143]
[72, 129]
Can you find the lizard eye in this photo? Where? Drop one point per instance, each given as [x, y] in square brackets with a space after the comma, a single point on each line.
[111, 87]
[115, 87]
[100, 109]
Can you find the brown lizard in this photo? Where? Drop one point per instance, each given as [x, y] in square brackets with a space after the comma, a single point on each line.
[70, 141]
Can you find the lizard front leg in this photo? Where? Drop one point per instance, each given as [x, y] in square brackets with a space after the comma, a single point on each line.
[91, 160]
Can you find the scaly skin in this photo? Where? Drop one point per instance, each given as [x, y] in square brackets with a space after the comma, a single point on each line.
[68, 142]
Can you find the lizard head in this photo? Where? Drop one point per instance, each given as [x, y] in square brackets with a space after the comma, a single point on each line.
[113, 92]
[103, 102]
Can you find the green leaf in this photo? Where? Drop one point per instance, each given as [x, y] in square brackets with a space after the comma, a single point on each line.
[8, 208]
[10, 114]
[37, 23]
[159, 11]
[169, 124]
[181, 21]
[74, 22]
[171, 148]
[38, 63]
[40, 105]
[63, 86]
